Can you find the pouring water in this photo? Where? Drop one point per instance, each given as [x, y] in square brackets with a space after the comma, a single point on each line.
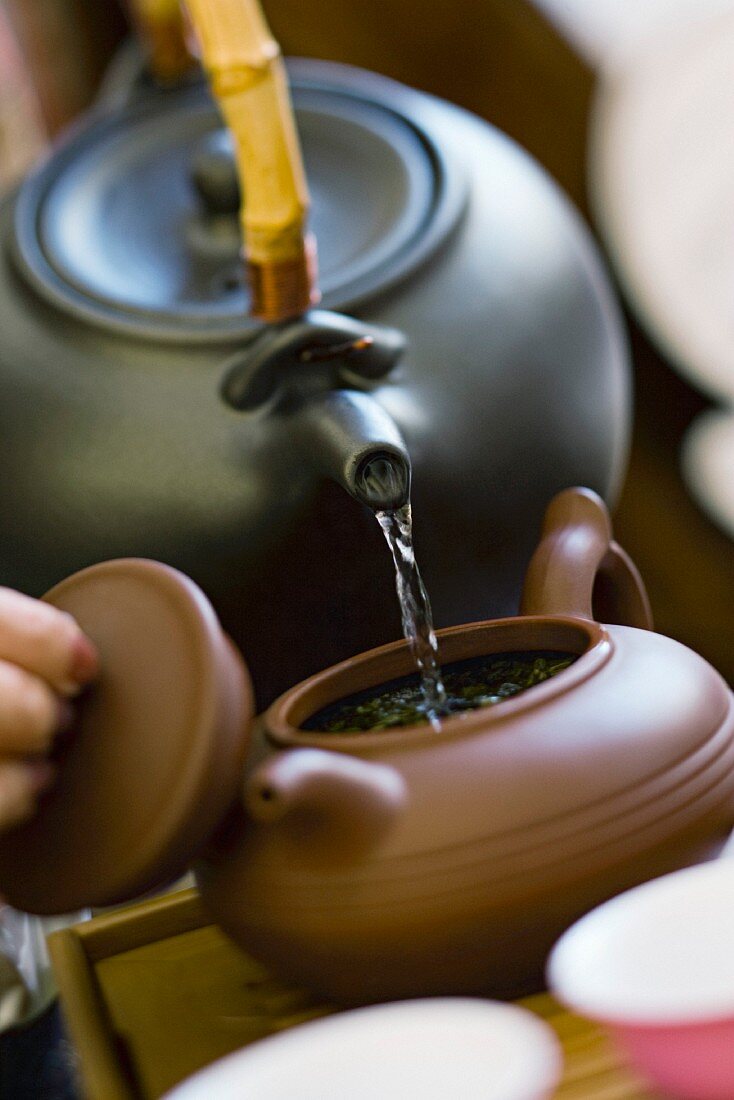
[381, 480]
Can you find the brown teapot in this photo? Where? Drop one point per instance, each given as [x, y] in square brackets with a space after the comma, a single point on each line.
[397, 863]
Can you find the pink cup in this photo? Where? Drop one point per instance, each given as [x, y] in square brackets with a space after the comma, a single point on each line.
[655, 967]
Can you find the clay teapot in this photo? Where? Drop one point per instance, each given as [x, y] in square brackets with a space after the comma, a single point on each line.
[467, 328]
[407, 862]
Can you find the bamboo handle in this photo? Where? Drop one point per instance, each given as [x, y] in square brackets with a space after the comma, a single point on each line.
[249, 81]
[161, 25]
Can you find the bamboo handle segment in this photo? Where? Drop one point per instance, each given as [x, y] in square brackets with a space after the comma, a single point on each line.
[161, 25]
[249, 81]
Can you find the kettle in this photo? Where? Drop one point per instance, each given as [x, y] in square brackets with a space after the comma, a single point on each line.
[392, 863]
[468, 332]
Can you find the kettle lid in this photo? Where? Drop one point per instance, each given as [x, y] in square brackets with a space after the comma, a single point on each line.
[156, 756]
[133, 223]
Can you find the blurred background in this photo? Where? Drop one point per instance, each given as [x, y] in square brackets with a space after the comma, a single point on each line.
[625, 104]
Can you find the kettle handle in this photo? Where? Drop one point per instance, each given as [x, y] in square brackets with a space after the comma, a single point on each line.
[578, 568]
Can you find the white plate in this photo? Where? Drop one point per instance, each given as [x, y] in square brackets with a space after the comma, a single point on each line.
[606, 29]
[662, 186]
[410, 1050]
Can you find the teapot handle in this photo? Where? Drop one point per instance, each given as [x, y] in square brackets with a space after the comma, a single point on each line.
[578, 568]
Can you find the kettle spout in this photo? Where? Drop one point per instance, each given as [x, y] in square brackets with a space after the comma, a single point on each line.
[332, 806]
[355, 442]
[310, 369]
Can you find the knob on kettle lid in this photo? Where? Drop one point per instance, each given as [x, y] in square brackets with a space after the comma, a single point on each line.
[156, 755]
[131, 224]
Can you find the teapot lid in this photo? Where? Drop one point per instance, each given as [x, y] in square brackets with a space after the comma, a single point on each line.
[156, 756]
[133, 224]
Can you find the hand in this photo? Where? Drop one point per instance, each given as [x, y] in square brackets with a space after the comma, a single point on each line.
[45, 659]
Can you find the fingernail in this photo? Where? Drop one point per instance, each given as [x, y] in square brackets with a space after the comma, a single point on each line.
[84, 661]
[42, 775]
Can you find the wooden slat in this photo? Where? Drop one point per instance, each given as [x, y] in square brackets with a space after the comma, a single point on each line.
[103, 1076]
[137, 925]
[152, 993]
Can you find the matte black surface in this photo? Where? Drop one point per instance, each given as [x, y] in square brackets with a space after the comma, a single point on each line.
[134, 224]
[115, 440]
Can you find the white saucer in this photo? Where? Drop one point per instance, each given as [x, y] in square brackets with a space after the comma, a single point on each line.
[409, 1050]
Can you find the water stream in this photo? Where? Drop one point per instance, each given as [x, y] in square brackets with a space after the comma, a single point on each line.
[472, 683]
[384, 479]
[415, 609]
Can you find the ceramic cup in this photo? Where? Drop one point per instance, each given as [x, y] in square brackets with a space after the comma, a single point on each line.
[427, 1049]
[655, 966]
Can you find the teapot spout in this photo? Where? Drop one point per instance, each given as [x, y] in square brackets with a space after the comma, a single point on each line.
[333, 806]
[355, 442]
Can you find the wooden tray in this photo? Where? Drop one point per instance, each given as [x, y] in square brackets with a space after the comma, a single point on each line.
[154, 992]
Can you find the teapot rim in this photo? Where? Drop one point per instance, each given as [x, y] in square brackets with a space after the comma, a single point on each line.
[592, 642]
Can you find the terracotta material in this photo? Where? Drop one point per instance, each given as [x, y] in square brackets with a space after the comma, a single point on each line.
[465, 854]
[154, 760]
[406, 862]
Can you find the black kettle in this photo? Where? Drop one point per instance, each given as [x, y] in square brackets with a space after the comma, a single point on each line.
[467, 335]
